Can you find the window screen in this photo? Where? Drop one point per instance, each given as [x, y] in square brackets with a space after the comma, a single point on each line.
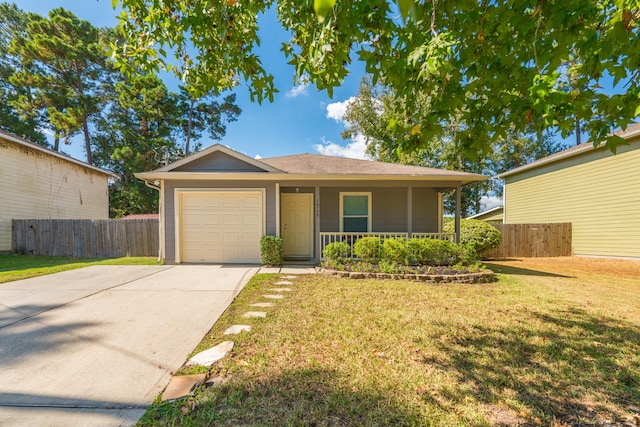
[355, 213]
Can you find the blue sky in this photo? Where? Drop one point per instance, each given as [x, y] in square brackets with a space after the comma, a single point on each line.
[300, 120]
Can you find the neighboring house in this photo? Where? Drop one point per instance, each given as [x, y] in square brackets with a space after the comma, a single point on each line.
[216, 204]
[492, 216]
[38, 183]
[595, 190]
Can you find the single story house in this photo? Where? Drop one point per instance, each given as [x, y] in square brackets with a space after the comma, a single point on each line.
[492, 216]
[39, 183]
[597, 191]
[216, 204]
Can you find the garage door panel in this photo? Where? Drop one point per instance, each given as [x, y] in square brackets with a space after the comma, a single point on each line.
[221, 226]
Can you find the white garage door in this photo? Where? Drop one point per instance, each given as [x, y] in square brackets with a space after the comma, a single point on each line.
[221, 226]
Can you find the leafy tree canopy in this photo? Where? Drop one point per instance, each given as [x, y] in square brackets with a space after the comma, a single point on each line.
[368, 114]
[495, 66]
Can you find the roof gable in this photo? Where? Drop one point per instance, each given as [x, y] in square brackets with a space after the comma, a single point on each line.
[217, 158]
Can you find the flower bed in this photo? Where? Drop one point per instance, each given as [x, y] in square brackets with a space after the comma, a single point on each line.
[484, 276]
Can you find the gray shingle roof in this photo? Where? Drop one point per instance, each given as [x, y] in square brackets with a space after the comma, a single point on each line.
[316, 164]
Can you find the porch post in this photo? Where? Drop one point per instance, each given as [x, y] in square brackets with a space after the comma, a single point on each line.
[457, 223]
[410, 210]
[317, 222]
[277, 209]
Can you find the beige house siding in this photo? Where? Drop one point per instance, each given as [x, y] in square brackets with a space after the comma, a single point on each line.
[598, 192]
[34, 184]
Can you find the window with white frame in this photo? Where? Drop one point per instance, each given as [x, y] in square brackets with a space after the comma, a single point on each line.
[355, 212]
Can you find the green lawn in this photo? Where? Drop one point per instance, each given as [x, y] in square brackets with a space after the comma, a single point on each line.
[543, 346]
[16, 267]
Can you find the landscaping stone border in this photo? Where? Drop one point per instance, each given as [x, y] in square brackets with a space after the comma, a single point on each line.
[485, 276]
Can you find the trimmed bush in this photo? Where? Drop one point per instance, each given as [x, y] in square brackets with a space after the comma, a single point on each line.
[479, 236]
[395, 251]
[440, 252]
[367, 249]
[415, 251]
[271, 250]
[338, 251]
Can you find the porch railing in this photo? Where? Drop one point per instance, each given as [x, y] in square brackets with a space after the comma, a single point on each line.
[440, 236]
[330, 237]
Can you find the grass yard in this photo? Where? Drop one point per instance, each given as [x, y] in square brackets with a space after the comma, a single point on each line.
[556, 342]
[16, 267]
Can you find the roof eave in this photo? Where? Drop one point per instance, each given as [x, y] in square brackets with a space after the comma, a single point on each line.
[255, 176]
[545, 161]
[34, 146]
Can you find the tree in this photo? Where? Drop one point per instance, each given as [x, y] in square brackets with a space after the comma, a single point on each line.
[13, 22]
[497, 66]
[375, 106]
[142, 129]
[63, 60]
[205, 114]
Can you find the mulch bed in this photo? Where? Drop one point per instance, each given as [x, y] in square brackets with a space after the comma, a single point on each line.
[443, 275]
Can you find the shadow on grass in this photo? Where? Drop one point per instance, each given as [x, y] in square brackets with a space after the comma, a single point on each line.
[570, 367]
[309, 397]
[508, 269]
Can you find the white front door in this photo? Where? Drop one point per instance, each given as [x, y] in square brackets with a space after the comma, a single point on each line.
[297, 225]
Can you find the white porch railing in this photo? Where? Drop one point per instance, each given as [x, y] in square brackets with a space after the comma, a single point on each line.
[440, 236]
[350, 238]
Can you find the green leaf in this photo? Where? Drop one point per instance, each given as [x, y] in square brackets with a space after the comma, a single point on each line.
[407, 9]
[322, 8]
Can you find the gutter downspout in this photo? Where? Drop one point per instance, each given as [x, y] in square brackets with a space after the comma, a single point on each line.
[160, 206]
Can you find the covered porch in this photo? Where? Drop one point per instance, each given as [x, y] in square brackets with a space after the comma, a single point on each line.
[311, 217]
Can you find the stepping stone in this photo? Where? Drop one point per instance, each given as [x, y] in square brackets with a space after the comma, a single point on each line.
[262, 304]
[288, 277]
[283, 282]
[236, 329]
[182, 386]
[269, 270]
[277, 296]
[212, 355]
[255, 314]
[281, 289]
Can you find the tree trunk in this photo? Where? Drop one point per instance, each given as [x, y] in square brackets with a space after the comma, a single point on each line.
[87, 140]
[189, 124]
[56, 143]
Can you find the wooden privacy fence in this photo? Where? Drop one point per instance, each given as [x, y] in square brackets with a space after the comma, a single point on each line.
[532, 240]
[90, 238]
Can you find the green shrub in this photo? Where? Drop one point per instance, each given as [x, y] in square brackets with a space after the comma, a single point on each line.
[439, 252]
[271, 248]
[395, 250]
[338, 251]
[367, 249]
[478, 235]
[389, 267]
[415, 251]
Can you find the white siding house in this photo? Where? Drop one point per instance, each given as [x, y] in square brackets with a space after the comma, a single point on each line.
[38, 183]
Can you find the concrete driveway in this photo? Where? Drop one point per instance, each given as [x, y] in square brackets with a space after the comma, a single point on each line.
[95, 346]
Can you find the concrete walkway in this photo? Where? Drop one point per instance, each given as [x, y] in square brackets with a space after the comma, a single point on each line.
[95, 346]
[289, 269]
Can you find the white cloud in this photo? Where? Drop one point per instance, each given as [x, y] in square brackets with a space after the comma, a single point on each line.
[356, 149]
[258, 157]
[337, 110]
[298, 90]
[490, 202]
